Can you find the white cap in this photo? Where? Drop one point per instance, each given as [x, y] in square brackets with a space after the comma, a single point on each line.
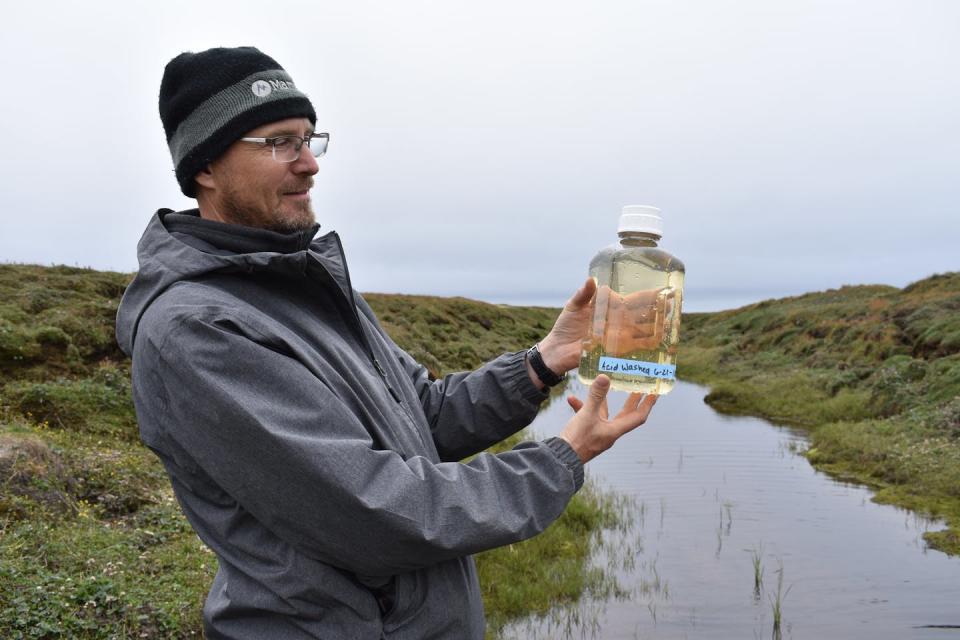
[641, 218]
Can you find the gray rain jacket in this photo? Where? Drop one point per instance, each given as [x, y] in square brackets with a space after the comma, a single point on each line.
[312, 454]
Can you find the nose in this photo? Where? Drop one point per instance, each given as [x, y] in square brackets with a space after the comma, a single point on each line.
[306, 164]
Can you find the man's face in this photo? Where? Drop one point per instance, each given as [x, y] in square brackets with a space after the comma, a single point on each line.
[247, 186]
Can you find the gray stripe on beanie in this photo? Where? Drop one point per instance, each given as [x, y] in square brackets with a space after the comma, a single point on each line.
[250, 93]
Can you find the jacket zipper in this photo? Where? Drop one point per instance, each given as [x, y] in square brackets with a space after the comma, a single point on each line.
[383, 374]
[348, 298]
[360, 331]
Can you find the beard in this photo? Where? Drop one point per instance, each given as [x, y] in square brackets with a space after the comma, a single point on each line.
[298, 215]
[301, 220]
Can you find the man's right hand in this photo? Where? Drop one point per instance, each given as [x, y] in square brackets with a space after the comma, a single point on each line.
[591, 432]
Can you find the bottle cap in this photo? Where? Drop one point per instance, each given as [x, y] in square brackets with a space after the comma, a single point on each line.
[640, 218]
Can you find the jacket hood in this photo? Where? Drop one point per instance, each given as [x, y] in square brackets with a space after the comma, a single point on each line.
[167, 257]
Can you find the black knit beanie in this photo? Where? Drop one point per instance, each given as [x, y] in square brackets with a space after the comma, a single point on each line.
[210, 99]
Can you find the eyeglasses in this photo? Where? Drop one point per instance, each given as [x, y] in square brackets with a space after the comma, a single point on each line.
[287, 148]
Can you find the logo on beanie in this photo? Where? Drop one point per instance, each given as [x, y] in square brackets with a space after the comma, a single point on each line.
[263, 88]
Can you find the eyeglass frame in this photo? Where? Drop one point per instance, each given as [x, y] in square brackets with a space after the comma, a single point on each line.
[301, 140]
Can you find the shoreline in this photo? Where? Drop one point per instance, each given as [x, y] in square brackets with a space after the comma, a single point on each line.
[871, 374]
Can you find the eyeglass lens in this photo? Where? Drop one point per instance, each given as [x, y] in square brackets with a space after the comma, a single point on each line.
[287, 148]
[318, 145]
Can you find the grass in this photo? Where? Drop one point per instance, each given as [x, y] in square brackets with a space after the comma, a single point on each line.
[92, 541]
[456, 332]
[776, 603]
[872, 372]
[756, 556]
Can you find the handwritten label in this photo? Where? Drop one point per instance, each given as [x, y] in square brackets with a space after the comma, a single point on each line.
[638, 368]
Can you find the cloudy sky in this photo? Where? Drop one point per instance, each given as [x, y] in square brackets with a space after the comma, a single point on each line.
[485, 149]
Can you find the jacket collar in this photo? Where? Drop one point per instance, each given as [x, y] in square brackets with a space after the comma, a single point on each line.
[236, 238]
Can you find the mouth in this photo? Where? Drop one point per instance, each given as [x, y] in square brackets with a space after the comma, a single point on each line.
[303, 194]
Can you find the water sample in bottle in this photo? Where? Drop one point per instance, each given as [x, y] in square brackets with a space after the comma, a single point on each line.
[635, 327]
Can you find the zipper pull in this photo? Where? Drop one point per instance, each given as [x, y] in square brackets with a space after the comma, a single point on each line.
[383, 374]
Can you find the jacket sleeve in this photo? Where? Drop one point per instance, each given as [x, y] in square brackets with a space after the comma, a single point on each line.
[277, 440]
[471, 410]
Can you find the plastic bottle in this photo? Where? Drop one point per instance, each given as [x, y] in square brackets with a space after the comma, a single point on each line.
[635, 327]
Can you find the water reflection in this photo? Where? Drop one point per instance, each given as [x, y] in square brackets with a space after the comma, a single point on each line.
[724, 519]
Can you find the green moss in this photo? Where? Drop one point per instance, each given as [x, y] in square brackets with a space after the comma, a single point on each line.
[456, 333]
[57, 319]
[96, 404]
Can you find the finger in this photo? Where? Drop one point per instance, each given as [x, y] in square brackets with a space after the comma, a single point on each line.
[583, 295]
[597, 395]
[605, 299]
[575, 403]
[640, 299]
[632, 402]
[628, 421]
[646, 405]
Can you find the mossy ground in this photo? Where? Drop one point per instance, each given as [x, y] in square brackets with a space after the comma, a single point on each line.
[873, 372]
[92, 541]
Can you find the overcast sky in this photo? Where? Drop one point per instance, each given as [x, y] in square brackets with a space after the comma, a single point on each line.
[485, 149]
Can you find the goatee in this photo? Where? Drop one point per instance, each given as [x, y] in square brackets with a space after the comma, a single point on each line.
[301, 222]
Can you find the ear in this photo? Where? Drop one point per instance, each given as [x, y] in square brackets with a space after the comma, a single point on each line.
[204, 178]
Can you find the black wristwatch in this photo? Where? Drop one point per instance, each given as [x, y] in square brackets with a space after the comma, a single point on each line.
[546, 375]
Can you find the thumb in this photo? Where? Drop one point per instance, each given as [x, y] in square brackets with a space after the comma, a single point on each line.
[583, 295]
[597, 396]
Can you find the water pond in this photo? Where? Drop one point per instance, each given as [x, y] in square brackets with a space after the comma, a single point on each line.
[711, 502]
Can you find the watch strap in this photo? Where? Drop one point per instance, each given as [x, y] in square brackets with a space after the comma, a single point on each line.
[546, 375]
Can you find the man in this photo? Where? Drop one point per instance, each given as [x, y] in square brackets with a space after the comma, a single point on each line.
[310, 453]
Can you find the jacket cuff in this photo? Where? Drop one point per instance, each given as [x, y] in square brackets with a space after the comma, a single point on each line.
[519, 379]
[562, 449]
